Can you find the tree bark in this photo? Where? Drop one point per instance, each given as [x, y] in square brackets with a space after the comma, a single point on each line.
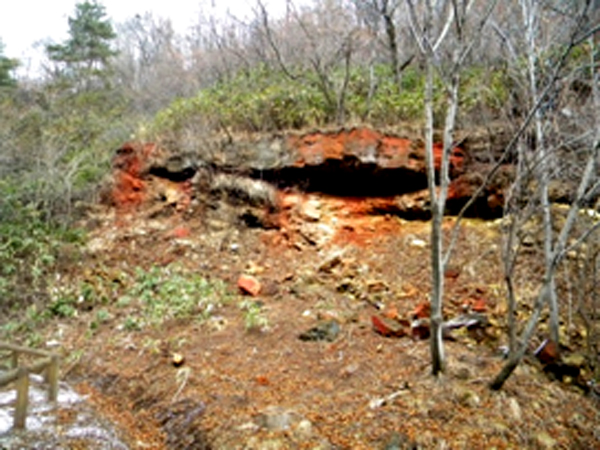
[390, 30]
[437, 209]
[530, 19]
[515, 357]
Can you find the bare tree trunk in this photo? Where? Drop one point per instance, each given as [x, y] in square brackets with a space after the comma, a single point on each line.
[424, 35]
[341, 104]
[516, 356]
[372, 88]
[530, 19]
[437, 215]
[514, 217]
[512, 312]
[510, 250]
[387, 13]
[438, 206]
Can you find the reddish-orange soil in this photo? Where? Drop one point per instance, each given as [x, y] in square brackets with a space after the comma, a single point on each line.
[268, 389]
[327, 258]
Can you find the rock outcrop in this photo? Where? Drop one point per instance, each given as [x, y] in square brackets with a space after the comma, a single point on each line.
[386, 171]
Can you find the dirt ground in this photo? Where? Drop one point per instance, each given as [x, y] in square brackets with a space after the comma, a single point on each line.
[264, 388]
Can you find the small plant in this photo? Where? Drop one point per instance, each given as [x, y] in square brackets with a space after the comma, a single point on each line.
[34, 339]
[9, 329]
[74, 358]
[132, 324]
[102, 316]
[124, 301]
[63, 306]
[254, 317]
[152, 345]
[171, 292]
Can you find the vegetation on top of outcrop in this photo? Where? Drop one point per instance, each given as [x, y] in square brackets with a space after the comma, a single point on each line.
[266, 100]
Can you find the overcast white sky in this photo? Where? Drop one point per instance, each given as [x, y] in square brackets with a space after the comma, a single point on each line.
[26, 22]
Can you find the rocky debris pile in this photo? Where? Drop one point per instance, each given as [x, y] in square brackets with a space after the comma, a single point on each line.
[325, 331]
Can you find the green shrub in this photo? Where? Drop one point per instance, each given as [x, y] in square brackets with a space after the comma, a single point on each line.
[63, 307]
[492, 95]
[255, 101]
[266, 100]
[29, 247]
[171, 292]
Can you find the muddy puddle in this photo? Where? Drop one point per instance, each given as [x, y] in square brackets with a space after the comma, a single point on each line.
[70, 423]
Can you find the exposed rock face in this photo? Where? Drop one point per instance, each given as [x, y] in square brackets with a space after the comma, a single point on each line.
[387, 172]
[129, 170]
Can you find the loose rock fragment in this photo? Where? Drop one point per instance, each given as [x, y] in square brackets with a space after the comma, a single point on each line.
[387, 327]
[325, 331]
[249, 285]
[177, 359]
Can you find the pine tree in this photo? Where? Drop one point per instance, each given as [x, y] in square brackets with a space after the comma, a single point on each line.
[84, 58]
[7, 65]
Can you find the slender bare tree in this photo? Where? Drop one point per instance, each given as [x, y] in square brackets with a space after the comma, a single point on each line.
[431, 26]
[312, 45]
[556, 244]
[151, 65]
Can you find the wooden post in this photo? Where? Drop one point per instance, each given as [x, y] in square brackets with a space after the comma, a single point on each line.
[22, 398]
[52, 378]
[20, 375]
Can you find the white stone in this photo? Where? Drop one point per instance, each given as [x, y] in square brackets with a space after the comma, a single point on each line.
[420, 243]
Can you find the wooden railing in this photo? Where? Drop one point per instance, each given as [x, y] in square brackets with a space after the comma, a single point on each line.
[20, 375]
